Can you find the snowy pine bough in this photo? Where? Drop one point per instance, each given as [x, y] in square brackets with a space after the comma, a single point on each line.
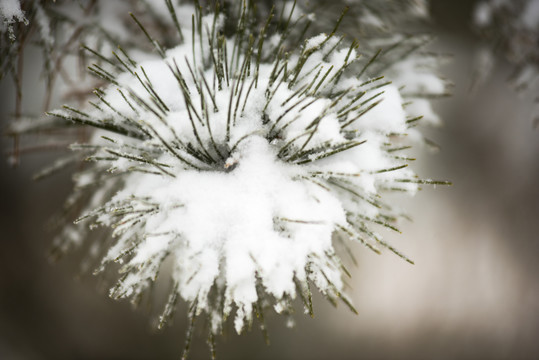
[510, 29]
[235, 159]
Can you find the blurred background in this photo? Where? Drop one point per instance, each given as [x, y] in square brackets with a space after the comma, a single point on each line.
[473, 293]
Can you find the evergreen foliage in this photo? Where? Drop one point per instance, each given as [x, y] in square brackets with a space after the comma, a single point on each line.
[235, 141]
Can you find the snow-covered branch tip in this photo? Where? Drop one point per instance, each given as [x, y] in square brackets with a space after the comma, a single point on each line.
[238, 156]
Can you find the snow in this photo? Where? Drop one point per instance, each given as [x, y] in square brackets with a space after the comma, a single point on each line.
[315, 42]
[417, 78]
[265, 214]
[389, 116]
[10, 11]
[232, 216]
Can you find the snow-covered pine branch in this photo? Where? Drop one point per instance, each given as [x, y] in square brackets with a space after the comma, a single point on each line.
[240, 155]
